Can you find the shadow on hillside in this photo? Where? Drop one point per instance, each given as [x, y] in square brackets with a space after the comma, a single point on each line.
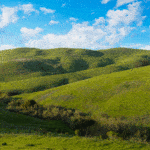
[93, 53]
[80, 65]
[46, 67]
[105, 61]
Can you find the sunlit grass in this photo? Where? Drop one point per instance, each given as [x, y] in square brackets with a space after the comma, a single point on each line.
[114, 82]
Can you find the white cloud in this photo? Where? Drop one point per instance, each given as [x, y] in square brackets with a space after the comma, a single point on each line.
[119, 2]
[63, 5]
[80, 36]
[9, 15]
[146, 47]
[30, 32]
[27, 8]
[104, 33]
[52, 22]
[45, 10]
[73, 19]
[98, 21]
[122, 2]
[143, 31]
[105, 1]
[4, 47]
[114, 35]
[126, 17]
[122, 22]
[135, 46]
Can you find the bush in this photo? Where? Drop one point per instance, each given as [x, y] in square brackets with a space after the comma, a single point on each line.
[14, 92]
[77, 132]
[111, 134]
[30, 145]
[81, 122]
[14, 104]
[29, 103]
[4, 143]
[4, 98]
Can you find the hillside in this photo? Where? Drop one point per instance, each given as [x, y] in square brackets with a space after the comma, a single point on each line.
[67, 86]
[23, 63]
[113, 93]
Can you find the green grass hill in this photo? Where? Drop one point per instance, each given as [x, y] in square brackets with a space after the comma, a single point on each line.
[108, 84]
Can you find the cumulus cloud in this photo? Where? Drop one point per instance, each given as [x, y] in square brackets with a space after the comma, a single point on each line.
[9, 15]
[73, 19]
[105, 1]
[27, 33]
[116, 34]
[81, 35]
[98, 21]
[122, 2]
[135, 46]
[105, 32]
[143, 31]
[126, 16]
[52, 22]
[46, 11]
[119, 2]
[27, 8]
[146, 47]
[4, 47]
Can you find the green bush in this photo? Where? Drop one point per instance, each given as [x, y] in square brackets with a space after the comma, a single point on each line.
[4, 143]
[77, 132]
[29, 103]
[81, 122]
[14, 92]
[14, 104]
[4, 98]
[112, 135]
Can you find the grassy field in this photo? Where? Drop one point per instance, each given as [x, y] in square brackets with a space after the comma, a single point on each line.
[59, 142]
[121, 93]
[113, 82]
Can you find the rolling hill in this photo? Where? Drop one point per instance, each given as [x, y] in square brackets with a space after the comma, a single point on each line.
[109, 84]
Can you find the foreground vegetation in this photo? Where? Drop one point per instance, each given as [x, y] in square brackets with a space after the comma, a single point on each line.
[63, 94]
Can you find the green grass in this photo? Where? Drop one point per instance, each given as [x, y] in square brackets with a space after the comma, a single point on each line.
[23, 63]
[114, 82]
[12, 122]
[65, 143]
[120, 93]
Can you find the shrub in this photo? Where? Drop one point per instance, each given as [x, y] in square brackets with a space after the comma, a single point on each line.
[29, 103]
[81, 122]
[14, 92]
[77, 132]
[30, 145]
[14, 104]
[105, 115]
[4, 143]
[112, 135]
[4, 98]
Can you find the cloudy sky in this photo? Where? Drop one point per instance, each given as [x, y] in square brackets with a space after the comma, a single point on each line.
[90, 24]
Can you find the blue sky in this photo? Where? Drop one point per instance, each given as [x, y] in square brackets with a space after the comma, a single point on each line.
[90, 24]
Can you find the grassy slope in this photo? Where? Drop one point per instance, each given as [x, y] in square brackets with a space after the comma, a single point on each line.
[121, 93]
[10, 122]
[32, 70]
[25, 63]
[66, 143]
[117, 93]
